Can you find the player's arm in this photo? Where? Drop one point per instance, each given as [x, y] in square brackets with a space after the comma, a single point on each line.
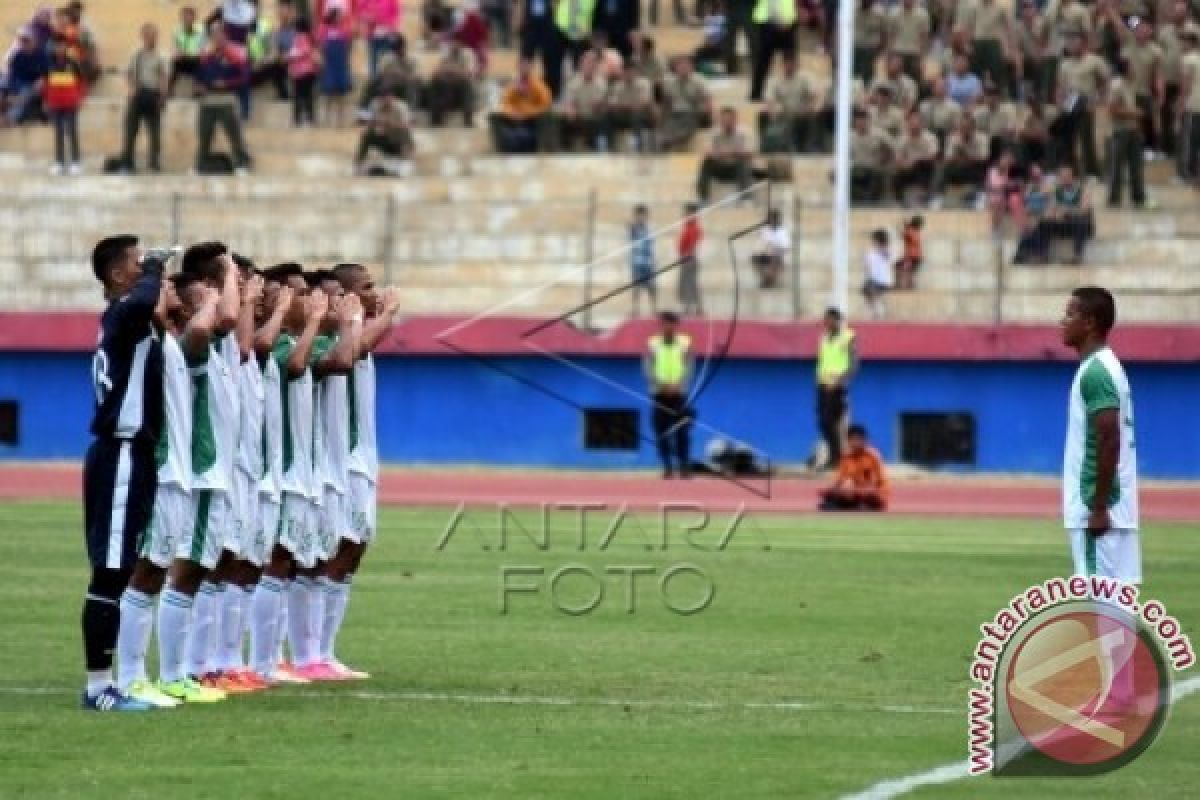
[199, 331]
[1107, 423]
[376, 329]
[297, 358]
[230, 301]
[341, 356]
[136, 310]
[245, 324]
[851, 370]
[266, 336]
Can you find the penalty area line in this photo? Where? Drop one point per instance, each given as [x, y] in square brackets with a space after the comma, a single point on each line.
[948, 773]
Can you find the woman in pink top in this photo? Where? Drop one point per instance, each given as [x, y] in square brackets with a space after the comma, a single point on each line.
[304, 64]
[1004, 193]
[380, 20]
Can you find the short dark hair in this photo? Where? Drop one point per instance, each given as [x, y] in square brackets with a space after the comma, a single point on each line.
[879, 236]
[108, 252]
[1098, 304]
[343, 272]
[856, 430]
[316, 277]
[281, 272]
[669, 316]
[182, 281]
[833, 311]
[202, 259]
[246, 265]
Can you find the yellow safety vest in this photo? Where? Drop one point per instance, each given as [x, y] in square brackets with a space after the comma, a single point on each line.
[785, 11]
[580, 25]
[833, 356]
[670, 360]
[260, 40]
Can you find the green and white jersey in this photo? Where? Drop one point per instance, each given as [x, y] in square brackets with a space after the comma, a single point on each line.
[250, 436]
[333, 450]
[299, 419]
[1099, 384]
[215, 422]
[173, 454]
[364, 453]
[272, 429]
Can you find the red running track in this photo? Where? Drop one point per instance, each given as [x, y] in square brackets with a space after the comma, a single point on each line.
[940, 496]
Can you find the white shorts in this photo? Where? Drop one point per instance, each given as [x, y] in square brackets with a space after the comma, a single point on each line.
[213, 518]
[246, 511]
[298, 528]
[1116, 554]
[259, 551]
[171, 524]
[332, 521]
[361, 504]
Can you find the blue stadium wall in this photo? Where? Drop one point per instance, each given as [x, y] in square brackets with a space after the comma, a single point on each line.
[455, 410]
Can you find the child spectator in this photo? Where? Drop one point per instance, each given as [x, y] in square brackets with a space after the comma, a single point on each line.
[689, 267]
[641, 259]
[879, 273]
[335, 37]
[1005, 194]
[304, 62]
[913, 256]
[62, 96]
[861, 483]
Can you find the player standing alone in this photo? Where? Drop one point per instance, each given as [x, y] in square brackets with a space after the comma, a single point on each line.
[1100, 509]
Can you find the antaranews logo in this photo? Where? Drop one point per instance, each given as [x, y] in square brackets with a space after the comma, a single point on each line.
[1073, 677]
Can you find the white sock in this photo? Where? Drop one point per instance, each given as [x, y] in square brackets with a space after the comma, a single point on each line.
[264, 624]
[229, 654]
[316, 620]
[201, 632]
[337, 595]
[298, 620]
[98, 680]
[212, 661]
[133, 637]
[174, 624]
[281, 627]
[244, 636]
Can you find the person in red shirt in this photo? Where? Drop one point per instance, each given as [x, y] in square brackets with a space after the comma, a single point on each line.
[62, 96]
[689, 265]
[861, 483]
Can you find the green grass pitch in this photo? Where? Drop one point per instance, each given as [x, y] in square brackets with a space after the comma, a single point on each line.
[864, 624]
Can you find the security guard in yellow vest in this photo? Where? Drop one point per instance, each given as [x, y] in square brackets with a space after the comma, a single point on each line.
[573, 18]
[775, 31]
[837, 361]
[668, 365]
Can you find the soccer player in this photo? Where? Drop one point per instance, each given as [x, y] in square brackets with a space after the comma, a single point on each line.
[1100, 508]
[300, 354]
[353, 426]
[168, 536]
[119, 473]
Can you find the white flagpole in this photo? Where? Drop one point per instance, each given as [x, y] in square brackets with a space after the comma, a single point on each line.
[841, 190]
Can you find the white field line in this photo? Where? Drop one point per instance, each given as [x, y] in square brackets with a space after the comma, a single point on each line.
[948, 773]
[539, 700]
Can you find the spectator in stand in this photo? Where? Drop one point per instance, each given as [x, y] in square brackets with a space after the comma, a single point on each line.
[617, 19]
[1033, 52]
[739, 17]
[269, 47]
[989, 24]
[583, 111]
[62, 96]
[239, 17]
[452, 86]
[965, 161]
[335, 36]
[904, 90]
[909, 32]
[870, 37]
[222, 72]
[789, 122]
[687, 106]
[913, 255]
[499, 17]
[1188, 107]
[1070, 214]
[573, 21]
[189, 40]
[21, 91]
[1082, 76]
[774, 31]
[880, 278]
[870, 160]
[82, 46]
[727, 159]
[916, 159]
[712, 47]
[43, 27]
[608, 60]
[380, 20]
[646, 63]
[1005, 194]
[147, 76]
[631, 108]
[470, 30]
[885, 116]
[304, 67]
[940, 113]
[861, 483]
[539, 37]
[1177, 17]
[690, 237]
[1034, 143]
[641, 260]
[1144, 58]
[518, 125]
[1031, 246]
[962, 85]
[999, 120]
[387, 131]
[1125, 142]
[776, 244]
[397, 75]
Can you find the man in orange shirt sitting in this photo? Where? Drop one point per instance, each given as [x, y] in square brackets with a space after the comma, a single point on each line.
[517, 125]
[861, 483]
